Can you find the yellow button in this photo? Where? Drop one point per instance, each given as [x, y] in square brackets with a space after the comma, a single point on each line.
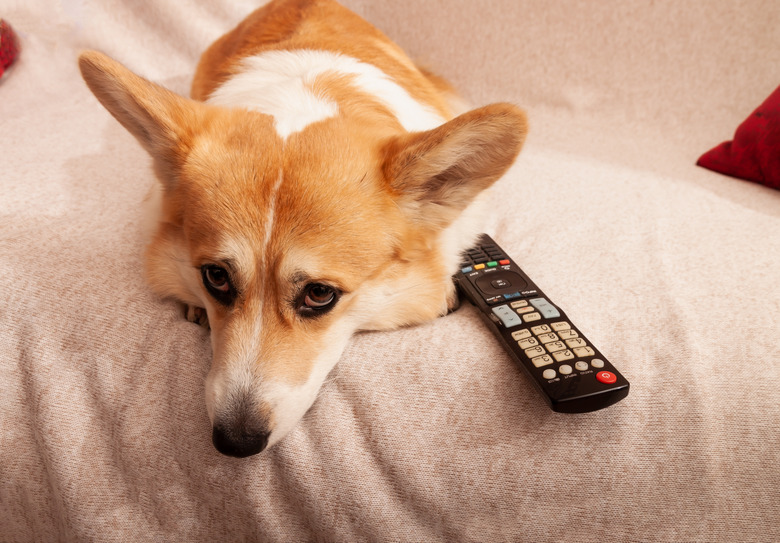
[479, 267]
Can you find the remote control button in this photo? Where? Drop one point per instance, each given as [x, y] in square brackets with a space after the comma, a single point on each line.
[528, 342]
[533, 352]
[581, 366]
[560, 356]
[519, 303]
[547, 338]
[555, 346]
[511, 282]
[567, 334]
[492, 264]
[467, 269]
[494, 299]
[540, 361]
[530, 317]
[549, 374]
[504, 262]
[545, 308]
[576, 342]
[541, 329]
[507, 316]
[565, 369]
[606, 377]
[511, 296]
[521, 310]
[557, 326]
[521, 334]
[582, 352]
[597, 363]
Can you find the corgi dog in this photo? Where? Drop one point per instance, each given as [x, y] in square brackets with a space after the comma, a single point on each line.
[317, 183]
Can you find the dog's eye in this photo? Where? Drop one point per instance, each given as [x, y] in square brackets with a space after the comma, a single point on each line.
[217, 281]
[217, 278]
[317, 299]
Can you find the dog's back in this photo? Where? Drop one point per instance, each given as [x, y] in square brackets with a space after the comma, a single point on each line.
[317, 25]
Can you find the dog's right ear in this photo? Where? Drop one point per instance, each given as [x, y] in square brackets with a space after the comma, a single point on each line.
[162, 121]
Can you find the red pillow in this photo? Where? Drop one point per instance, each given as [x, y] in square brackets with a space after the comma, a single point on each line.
[754, 154]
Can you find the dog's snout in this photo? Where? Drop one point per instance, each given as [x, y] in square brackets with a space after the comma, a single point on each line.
[238, 442]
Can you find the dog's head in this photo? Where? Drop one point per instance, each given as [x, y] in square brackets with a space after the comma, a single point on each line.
[291, 245]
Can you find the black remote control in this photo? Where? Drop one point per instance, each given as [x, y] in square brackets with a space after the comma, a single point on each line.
[571, 373]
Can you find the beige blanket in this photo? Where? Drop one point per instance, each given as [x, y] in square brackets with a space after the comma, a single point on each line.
[428, 433]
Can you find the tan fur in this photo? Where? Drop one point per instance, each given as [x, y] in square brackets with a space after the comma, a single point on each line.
[353, 201]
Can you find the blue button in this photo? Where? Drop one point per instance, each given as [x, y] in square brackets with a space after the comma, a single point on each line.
[511, 296]
[507, 316]
[467, 269]
[544, 307]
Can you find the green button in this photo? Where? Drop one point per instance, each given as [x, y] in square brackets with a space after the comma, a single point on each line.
[492, 264]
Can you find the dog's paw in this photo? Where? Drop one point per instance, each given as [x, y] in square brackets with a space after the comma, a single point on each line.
[195, 314]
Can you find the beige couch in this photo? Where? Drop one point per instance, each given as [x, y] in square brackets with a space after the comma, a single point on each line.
[428, 433]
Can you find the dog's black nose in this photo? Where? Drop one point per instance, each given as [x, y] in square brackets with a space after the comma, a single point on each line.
[238, 444]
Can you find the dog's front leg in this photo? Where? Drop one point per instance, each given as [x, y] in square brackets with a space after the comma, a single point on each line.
[453, 301]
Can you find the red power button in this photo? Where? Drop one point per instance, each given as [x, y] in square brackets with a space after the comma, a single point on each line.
[606, 377]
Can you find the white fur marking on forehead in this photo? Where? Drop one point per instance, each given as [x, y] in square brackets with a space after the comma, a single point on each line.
[269, 221]
[278, 83]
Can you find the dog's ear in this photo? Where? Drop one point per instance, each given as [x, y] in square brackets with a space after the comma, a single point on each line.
[436, 174]
[161, 120]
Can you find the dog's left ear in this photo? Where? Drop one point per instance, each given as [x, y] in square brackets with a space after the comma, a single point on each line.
[436, 174]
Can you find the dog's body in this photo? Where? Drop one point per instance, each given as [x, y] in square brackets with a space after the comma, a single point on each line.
[317, 185]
